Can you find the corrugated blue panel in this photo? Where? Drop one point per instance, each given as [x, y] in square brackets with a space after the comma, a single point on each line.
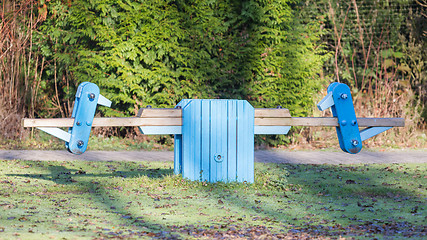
[196, 139]
[245, 142]
[215, 137]
[187, 134]
[178, 143]
[232, 141]
[216, 151]
[205, 148]
[220, 155]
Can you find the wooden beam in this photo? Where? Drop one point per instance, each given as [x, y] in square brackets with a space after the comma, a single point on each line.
[166, 121]
[173, 112]
[103, 122]
[272, 113]
[159, 113]
[328, 122]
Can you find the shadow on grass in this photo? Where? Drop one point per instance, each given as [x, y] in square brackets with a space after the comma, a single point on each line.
[62, 175]
[313, 200]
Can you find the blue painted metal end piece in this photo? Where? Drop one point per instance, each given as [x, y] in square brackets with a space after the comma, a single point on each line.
[217, 141]
[343, 109]
[160, 130]
[372, 131]
[272, 130]
[83, 113]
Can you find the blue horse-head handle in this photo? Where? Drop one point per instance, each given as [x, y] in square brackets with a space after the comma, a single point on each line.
[87, 99]
[340, 101]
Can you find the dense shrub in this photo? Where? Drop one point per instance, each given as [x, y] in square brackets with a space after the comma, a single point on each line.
[158, 52]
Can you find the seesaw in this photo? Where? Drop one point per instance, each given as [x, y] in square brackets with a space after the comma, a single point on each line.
[214, 138]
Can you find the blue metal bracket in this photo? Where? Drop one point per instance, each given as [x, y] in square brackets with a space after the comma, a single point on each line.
[340, 101]
[87, 99]
[77, 137]
[372, 131]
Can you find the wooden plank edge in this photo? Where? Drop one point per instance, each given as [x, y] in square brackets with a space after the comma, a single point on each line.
[177, 113]
[328, 122]
[136, 121]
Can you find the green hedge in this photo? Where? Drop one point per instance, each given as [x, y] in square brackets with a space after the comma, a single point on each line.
[157, 52]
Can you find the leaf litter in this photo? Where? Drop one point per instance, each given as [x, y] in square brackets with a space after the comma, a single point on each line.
[125, 200]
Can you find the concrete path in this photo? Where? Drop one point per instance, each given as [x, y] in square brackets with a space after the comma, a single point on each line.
[273, 156]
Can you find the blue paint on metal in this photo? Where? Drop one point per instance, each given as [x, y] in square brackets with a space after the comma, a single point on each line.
[159, 130]
[205, 168]
[348, 129]
[83, 113]
[178, 143]
[57, 132]
[372, 131]
[177, 151]
[326, 102]
[217, 140]
[231, 154]
[272, 129]
[245, 143]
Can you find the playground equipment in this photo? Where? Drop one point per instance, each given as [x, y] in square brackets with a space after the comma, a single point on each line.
[214, 138]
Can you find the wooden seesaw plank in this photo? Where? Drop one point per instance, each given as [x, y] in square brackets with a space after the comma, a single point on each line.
[177, 113]
[328, 122]
[168, 121]
[103, 122]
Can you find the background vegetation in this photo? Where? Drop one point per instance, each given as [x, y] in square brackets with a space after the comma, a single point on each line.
[277, 52]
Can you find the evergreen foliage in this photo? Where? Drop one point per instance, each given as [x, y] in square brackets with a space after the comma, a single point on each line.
[157, 52]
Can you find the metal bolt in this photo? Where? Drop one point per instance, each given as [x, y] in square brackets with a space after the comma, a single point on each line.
[344, 96]
[178, 107]
[354, 122]
[343, 122]
[355, 142]
[218, 158]
[80, 143]
[279, 107]
[91, 96]
[149, 106]
[78, 123]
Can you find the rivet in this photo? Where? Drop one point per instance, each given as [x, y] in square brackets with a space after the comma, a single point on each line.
[279, 107]
[354, 122]
[91, 96]
[80, 143]
[344, 96]
[343, 122]
[78, 123]
[355, 142]
[89, 123]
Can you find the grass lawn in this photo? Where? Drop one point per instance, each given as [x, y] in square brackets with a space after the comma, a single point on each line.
[133, 200]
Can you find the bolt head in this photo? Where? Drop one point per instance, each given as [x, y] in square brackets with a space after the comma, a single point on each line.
[355, 142]
[80, 143]
[344, 96]
[343, 122]
[91, 96]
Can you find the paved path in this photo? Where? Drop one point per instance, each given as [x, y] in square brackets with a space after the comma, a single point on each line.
[274, 156]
